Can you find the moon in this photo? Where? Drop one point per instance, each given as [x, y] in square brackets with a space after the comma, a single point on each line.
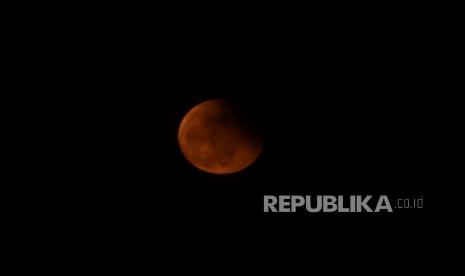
[216, 137]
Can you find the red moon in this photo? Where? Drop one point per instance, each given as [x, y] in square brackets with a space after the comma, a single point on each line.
[216, 137]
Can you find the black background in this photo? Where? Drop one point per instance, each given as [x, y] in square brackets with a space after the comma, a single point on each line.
[346, 107]
[333, 124]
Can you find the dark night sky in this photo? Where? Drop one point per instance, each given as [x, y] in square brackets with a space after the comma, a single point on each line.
[359, 131]
[344, 110]
[353, 121]
[334, 134]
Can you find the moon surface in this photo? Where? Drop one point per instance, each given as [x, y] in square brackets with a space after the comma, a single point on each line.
[216, 137]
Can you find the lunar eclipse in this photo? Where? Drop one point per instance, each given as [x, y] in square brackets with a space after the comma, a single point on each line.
[215, 136]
